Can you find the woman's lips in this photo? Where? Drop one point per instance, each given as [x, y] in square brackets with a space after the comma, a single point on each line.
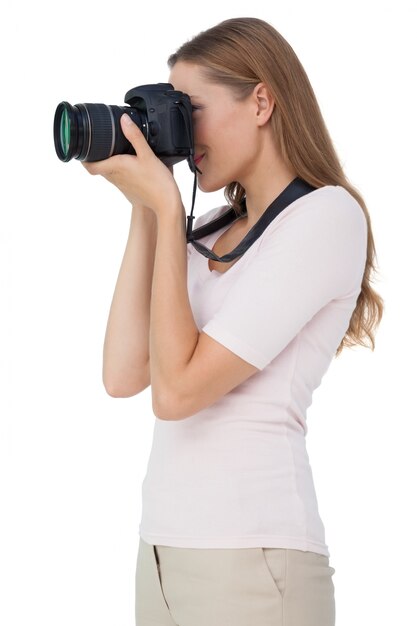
[198, 158]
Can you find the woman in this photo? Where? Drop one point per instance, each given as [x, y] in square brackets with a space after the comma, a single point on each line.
[230, 531]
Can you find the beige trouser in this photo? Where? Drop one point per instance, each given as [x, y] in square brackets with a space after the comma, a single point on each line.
[232, 587]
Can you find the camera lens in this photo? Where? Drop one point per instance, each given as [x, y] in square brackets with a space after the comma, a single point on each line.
[64, 132]
[92, 132]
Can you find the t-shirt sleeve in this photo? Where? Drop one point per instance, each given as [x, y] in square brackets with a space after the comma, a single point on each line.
[310, 257]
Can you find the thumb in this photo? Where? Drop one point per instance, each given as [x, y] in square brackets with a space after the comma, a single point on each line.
[133, 133]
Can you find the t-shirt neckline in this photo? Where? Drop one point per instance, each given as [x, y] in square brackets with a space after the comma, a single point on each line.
[211, 239]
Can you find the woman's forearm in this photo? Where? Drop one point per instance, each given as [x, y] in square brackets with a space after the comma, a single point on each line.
[126, 344]
[173, 331]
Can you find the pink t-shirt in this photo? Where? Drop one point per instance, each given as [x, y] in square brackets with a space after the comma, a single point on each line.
[237, 474]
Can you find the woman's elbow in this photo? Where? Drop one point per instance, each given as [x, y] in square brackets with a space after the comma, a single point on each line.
[126, 388]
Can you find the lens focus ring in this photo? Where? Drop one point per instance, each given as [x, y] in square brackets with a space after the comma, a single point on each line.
[101, 132]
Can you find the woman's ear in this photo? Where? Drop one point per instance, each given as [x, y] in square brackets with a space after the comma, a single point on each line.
[264, 103]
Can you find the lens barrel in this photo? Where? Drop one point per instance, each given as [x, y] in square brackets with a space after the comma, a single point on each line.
[92, 132]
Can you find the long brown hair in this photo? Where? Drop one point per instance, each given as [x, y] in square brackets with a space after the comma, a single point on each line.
[240, 53]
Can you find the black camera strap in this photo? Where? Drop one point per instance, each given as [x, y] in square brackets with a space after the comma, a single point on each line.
[297, 188]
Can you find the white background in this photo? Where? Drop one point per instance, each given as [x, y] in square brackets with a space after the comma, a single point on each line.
[72, 458]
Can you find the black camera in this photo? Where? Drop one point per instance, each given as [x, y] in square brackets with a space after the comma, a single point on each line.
[92, 132]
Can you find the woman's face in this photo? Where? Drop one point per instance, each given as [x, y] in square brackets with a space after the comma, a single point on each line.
[225, 131]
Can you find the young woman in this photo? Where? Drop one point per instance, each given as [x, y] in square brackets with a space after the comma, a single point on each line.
[230, 532]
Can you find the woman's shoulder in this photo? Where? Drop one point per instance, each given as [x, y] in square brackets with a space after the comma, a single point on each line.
[328, 203]
[327, 214]
[338, 204]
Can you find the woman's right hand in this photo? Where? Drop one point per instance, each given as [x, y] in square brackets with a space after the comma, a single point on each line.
[146, 208]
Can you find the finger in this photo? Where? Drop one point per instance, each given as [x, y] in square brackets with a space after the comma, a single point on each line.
[106, 167]
[96, 167]
[133, 134]
[87, 166]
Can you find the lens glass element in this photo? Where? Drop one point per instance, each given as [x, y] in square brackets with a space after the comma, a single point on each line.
[65, 128]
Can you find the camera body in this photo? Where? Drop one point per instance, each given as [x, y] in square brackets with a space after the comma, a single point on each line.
[169, 126]
[92, 132]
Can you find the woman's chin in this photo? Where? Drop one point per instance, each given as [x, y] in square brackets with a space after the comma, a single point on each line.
[208, 186]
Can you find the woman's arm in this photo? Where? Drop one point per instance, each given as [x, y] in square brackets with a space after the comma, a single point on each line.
[151, 334]
[126, 344]
[189, 369]
[173, 333]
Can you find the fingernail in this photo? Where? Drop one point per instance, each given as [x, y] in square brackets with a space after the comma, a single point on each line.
[126, 119]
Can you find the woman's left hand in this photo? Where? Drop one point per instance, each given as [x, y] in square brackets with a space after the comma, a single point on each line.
[142, 178]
